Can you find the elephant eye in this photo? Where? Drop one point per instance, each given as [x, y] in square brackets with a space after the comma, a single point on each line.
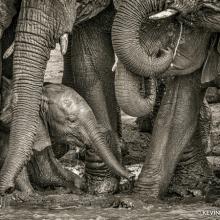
[67, 102]
[72, 118]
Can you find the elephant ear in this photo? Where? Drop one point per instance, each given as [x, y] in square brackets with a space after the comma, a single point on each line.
[211, 67]
[88, 9]
[42, 139]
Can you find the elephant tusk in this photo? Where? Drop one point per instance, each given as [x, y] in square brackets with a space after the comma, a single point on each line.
[9, 51]
[64, 43]
[164, 14]
[115, 64]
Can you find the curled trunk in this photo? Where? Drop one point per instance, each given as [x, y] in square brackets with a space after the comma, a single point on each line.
[127, 89]
[126, 39]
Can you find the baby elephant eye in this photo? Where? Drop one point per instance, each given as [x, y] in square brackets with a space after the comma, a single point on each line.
[67, 102]
[72, 118]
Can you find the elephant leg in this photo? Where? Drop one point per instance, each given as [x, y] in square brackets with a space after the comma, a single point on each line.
[192, 173]
[23, 184]
[175, 125]
[92, 60]
[46, 171]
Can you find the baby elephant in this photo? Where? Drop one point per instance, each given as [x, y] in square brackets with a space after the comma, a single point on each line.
[67, 116]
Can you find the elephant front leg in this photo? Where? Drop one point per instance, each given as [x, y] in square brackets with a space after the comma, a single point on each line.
[92, 60]
[99, 178]
[46, 171]
[192, 173]
[175, 125]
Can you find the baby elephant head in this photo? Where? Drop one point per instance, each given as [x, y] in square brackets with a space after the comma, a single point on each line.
[68, 117]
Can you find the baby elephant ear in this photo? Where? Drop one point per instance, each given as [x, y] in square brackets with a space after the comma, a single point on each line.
[42, 139]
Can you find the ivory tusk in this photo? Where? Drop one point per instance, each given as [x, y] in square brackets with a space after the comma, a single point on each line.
[164, 14]
[64, 44]
[9, 51]
[115, 64]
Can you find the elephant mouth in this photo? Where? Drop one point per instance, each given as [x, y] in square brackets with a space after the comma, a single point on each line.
[74, 139]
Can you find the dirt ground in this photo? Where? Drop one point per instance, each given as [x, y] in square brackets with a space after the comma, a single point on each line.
[88, 207]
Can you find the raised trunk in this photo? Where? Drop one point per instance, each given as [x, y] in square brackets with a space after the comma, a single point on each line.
[126, 39]
[30, 59]
[127, 89]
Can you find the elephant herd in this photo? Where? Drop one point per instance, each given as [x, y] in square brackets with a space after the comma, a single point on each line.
[144, 41]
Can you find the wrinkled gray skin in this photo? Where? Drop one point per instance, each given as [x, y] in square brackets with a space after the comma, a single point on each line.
[28, 75]
[7, 11]
[176, 124]
[68, 116]
[88, 69]
[20, 142]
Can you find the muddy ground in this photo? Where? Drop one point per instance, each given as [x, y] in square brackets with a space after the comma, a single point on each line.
[67, 206]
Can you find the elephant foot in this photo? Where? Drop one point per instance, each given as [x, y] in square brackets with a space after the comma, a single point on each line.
[213, 193]
[190, 179]
[101, 185]
[23, 184]
[46, 171]
[23, 192]
[99, 178]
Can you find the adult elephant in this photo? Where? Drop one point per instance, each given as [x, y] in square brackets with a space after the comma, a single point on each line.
[33, 42]
[88, 69]
[40, 25]
[188, 59]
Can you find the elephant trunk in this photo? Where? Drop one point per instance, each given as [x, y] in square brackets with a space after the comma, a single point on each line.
[97, 139]
[126, 39]
[30, 59]
[127, 89]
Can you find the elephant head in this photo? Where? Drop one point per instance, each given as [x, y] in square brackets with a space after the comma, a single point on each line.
[139, 46]
[41, 24]
[129, 20]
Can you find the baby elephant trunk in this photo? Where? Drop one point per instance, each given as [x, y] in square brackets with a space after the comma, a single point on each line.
[97, 138]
